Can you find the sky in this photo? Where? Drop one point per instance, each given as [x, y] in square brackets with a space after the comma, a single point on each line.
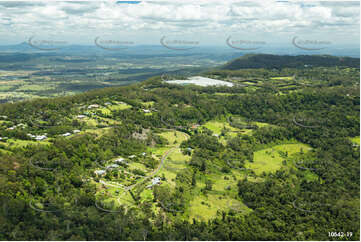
[193, 22]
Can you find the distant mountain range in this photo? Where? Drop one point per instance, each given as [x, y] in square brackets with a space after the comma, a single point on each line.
[284, 61]
[159, 50]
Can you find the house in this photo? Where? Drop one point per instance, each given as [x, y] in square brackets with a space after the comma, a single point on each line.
[146, 110]
[100, 172]
[155, 181]
[66, 134]
[76, 131]
[40, 137]
[93, 106]
[112, 166]
[107, 103]
[120, 161]
[216, 135]
[195, 126]
[132, 156]
[37, 137]
[143, 154]
[81, 116]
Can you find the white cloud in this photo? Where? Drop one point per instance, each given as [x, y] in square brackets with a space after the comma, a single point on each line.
[198, 17]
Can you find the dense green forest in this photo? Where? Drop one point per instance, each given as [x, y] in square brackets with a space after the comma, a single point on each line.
[48, 189]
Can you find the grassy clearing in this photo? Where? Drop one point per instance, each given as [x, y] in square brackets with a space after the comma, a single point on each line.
[157, 151]
[22, 143]
[5, 151]
[118, 107]
[99, 131]
[176, 161]
[224, 94]
[105, 111]
[136, 165]
[148, 104]
[269, 160]
[206, 207]
[90, 122]
[217, 126]
[260, 124]
[355, 140]
[35, 87]
[173, 136]
[310, 176]
[288, 78]
[111, 121]
[5, 122]
[5, 88]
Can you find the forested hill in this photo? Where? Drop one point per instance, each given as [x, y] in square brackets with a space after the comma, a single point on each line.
[276, 157]
[285, 61]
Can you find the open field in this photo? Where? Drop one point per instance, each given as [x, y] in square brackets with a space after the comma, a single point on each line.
[288, 78]
[204, 208]
[217, 126]
[270, 160]
[173, 137]
[22, 143]
[355, 140]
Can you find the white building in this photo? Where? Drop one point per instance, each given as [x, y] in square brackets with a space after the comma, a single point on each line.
[112, 166]
[81, 116]
[132, 156]
[100, 172]
[37, 137]
[93, 106]
[155, 181]
[40, 137]
[120, 160]
[76, 131]
[66, 134]
[146, 110]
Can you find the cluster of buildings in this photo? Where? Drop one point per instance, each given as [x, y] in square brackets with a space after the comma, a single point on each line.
[110, 167]
[68, 134]
[16, 126]
[155, 181]
[38, 137]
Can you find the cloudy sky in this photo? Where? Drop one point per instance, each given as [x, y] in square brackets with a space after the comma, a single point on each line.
[208, 22]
